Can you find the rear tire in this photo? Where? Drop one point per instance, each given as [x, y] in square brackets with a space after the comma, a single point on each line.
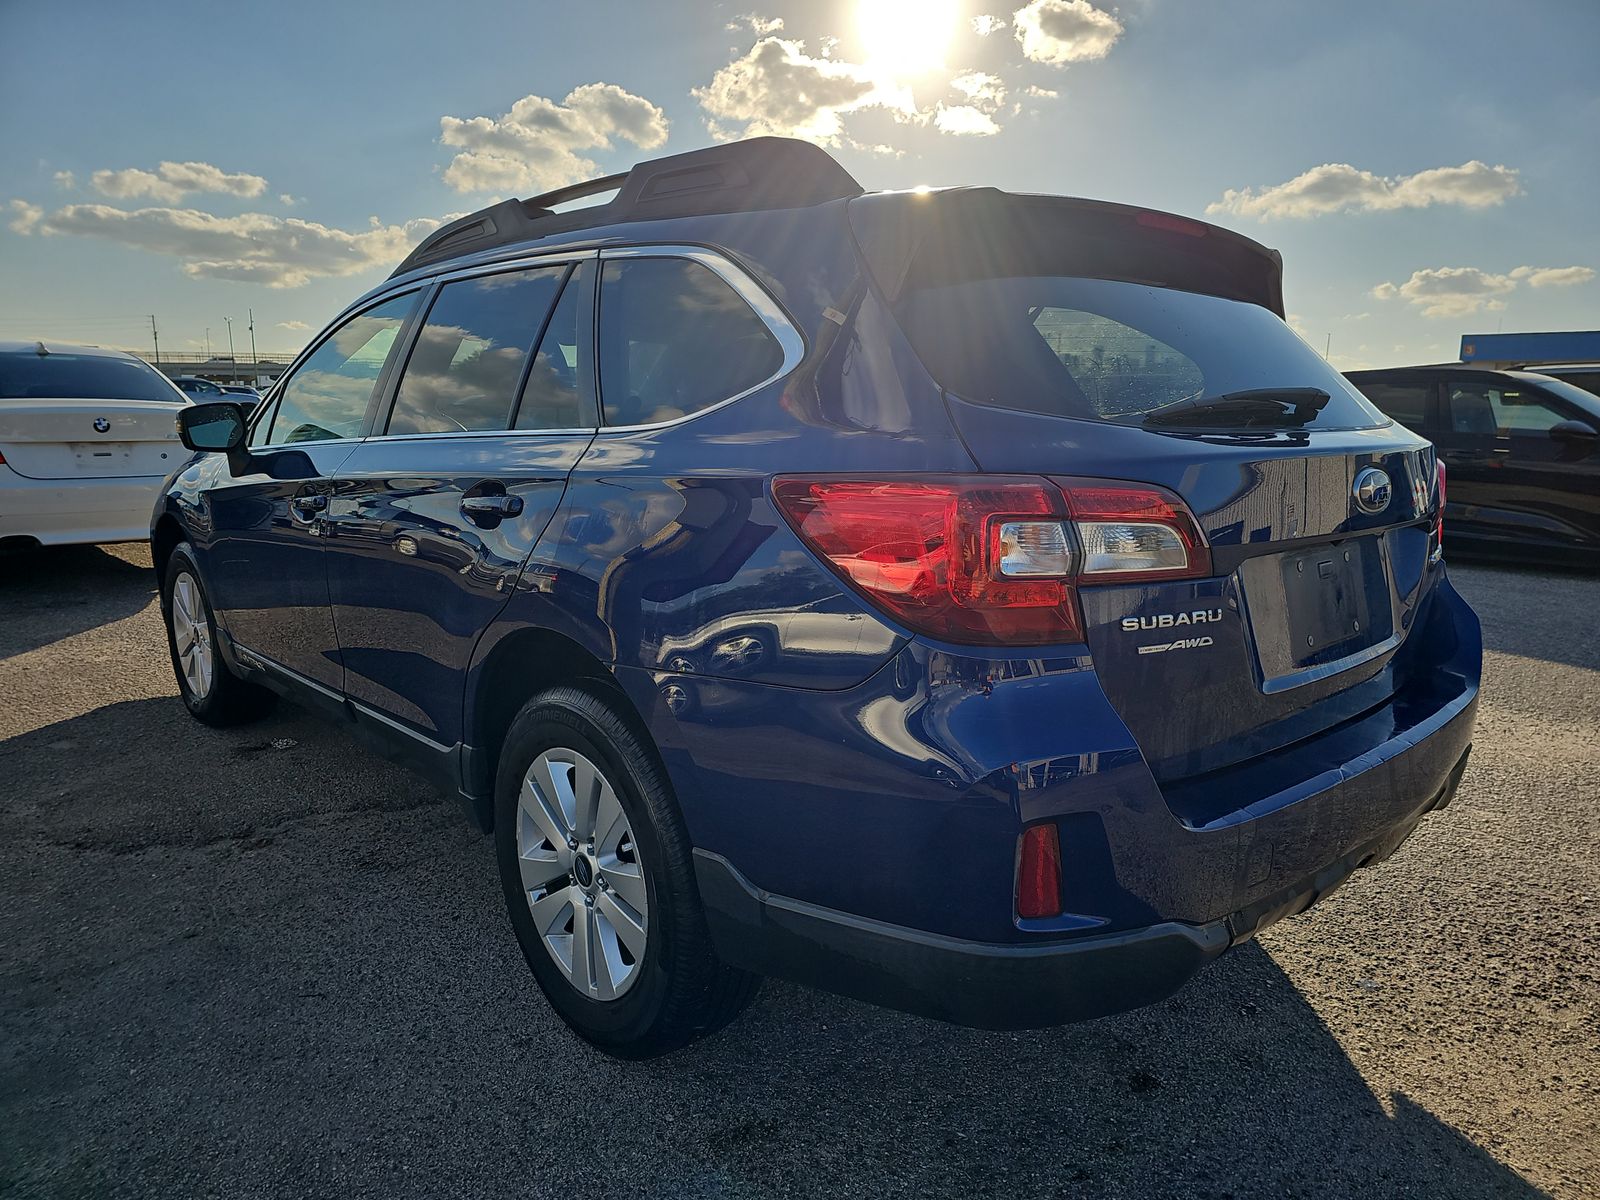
[579, 794]
[211, 692]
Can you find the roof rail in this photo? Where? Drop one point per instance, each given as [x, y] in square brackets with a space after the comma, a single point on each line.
[748, 176]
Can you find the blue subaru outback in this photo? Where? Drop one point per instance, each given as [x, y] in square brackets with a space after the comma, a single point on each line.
[979, 604]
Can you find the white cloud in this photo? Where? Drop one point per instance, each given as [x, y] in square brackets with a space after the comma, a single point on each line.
[985, 25]
[1449, 291]
[27, 218]
[1554, 276]
[1336, 187]
[963, 119]
[170, 182]
[66, 180]
[296, 326]
[777, 88]
[755, 24]
[288, 201]
[1458, 291]
[1040, 93]
[539, 143]
[278, 252]
[981, 89]
[1063, 31]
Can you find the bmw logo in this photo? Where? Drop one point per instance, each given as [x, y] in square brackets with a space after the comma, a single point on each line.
[1371, 490]
[101, 425]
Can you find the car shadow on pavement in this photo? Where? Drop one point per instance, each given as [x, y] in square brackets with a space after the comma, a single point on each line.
[55, 592]
[271, 942]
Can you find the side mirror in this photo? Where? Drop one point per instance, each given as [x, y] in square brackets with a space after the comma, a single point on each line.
[1572, 431]
[214, 427]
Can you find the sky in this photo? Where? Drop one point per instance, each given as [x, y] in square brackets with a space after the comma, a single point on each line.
[1428, 168]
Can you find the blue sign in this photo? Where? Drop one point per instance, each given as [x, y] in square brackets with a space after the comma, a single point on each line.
[1531, 347]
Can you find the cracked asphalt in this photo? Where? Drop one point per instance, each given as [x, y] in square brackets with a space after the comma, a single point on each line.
[266, 962]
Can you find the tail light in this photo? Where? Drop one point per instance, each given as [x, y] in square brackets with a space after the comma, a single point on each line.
[1039, 872]
[991, 559]
[1438, 528]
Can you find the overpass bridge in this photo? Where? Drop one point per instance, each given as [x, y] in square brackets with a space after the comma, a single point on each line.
[219, 368]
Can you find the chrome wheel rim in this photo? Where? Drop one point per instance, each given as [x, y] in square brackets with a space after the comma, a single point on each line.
[582, 875]
[191, 634]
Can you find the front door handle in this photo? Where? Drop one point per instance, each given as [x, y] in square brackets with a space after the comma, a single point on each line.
[493, 507]
[309, 505]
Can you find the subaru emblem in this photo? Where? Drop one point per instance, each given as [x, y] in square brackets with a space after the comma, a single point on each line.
[1371, 490]
[101, 425]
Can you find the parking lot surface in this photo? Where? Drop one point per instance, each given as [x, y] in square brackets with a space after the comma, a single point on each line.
[266, 962]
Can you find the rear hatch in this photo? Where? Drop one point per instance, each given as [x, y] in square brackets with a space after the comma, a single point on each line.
[86, 416]
[1094, 341]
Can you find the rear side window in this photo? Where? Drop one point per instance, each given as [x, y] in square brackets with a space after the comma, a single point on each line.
[27, 375]
[468, 360]
[327, 396]
[675, 338]
[559, 382]
[1404, 402]
[1100, 349]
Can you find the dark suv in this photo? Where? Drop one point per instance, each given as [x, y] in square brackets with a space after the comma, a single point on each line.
[979, 604]
[1522, 451]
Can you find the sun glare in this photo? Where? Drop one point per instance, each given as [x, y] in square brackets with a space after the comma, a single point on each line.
[906, 37]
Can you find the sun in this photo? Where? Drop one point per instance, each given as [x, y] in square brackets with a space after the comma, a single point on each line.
[906, 37]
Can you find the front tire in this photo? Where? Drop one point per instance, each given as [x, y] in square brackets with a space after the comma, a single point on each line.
[599, 881]
[210, 691]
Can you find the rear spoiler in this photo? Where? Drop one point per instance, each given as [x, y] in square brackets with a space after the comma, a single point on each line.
[923, 239]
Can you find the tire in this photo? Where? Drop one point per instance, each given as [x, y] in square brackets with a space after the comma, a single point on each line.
[677, 989]
[211, 692]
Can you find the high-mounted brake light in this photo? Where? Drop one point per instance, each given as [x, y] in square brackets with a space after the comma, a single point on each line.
[1039, 872]
[992, 559]
[1172, 224]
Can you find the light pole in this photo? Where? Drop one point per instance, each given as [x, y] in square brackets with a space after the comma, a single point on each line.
[231, 358]
[255, 363]
[208, 343]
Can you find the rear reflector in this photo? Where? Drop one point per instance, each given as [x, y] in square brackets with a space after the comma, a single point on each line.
[992, 559]
[1039, 872]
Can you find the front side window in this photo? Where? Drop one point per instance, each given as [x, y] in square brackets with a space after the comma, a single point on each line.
[1478, 408]
[327, 397]
[675, 338]
[29, 375]
[463, 373]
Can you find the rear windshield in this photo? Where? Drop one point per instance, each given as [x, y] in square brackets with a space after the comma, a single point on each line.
[1106, 350]
[27, 375]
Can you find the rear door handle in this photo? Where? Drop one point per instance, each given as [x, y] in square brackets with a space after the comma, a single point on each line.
[307, 506]
[493, 506]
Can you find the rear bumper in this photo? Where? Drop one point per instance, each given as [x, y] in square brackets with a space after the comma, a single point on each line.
[1000, 985]
[872, 832]
[60, 512]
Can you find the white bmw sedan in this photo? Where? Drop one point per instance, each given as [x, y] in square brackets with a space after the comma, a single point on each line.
[86, 438]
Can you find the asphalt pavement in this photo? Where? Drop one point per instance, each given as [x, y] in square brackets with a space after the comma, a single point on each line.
[267, 962]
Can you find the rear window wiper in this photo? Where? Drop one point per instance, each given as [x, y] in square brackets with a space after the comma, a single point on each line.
[1282, 408]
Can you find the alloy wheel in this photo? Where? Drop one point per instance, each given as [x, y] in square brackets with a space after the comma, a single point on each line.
[581, 873]
[191, 634]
